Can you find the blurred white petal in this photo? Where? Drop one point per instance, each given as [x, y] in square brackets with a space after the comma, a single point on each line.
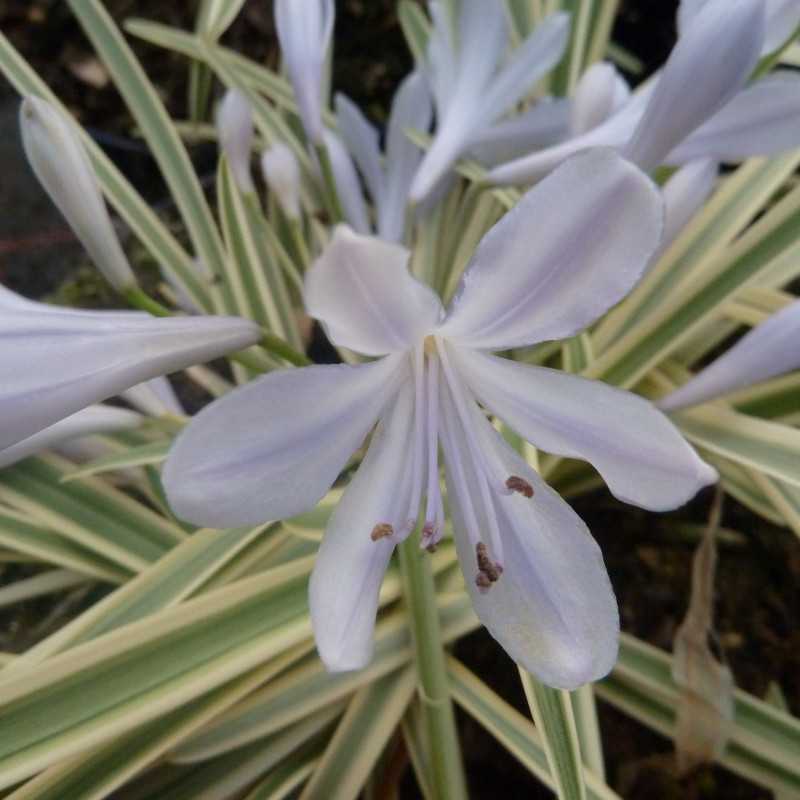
[362, 292]
[94, 419]
[349, 568]
[361, 140]
[574, 246]
[57, 363]
[531, 61]
[640, 454]
[762, 120]
[411, 109]
[768, 350]
[58, 158]
[348, 186]
[684, 195]
[709, 64]
[155, 398]
[272, 448]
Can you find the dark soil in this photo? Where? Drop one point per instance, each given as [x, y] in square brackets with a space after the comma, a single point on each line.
[649, 563]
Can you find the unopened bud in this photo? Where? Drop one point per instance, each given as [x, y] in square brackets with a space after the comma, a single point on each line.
[282, 174]
[235, 131]
[59, 160]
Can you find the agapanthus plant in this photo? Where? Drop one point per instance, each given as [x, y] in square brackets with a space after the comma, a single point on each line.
[567, 252]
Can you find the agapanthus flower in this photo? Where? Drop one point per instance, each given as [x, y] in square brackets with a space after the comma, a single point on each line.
[56, 361]
[471, 86]
[768, 350]
[281, 173]
[388, 180]
[722, 118]
[571, 248]
[304, 30]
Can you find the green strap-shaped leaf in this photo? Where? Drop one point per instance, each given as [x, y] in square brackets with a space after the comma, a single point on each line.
[156, 128]
[552, 712]
[370, 720]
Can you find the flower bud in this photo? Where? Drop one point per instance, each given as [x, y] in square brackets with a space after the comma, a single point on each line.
[235, 129]
[282, 174]
[59, 160]
[304, 31]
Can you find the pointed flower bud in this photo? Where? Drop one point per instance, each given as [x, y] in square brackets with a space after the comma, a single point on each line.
[282, 175]
[304, 30]
[235, 130]
[59, 160]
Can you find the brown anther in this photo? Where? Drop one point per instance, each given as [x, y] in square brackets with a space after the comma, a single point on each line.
[486, 566]
[520, 485]
[483, 582]
[381, 531]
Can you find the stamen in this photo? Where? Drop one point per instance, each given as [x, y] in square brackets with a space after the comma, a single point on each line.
[491, 569]
[383, 530]
[483, 582]
[483, 472]
[520, 485]
[434, 511]
[419, 438]
[491, 471]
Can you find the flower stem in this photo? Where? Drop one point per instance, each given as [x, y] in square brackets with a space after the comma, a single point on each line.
[447, 778]
[277, 346]
[138, 299]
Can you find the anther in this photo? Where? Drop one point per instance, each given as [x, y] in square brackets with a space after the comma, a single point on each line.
[483, 582]
[520, 485]
[486, 566]
[381, 531]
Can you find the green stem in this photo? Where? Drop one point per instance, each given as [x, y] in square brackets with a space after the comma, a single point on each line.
[270, 342]
[277, 346]
[447, 778]
[329, 187]
[138, 299]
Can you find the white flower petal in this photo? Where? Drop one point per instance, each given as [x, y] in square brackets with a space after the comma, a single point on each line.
[155, 398]
[411, 109]
[362, 292]
[640, 454]
[94, 419]
[783, 17]
[55, 364]
[597, 97]
[553, 609]
[349, 569]
[544, 125]
[235, 129]
[768, 350]
[361, 140]
[570, 249]
[57, 156]
[534, 58]
[272, 448]
[482, 38]
[709, 64]
[684, 194]
[282, 174]
[348, 187]
[762, 120]
[304, 29]
[614, 132]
